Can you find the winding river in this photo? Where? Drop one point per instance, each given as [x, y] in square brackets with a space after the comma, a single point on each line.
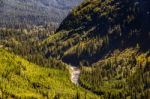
[75, 74]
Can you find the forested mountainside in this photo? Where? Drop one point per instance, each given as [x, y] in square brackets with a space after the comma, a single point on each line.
[20, 78]
[96, 28]
[25, 42]
[108, 40]
[34, 12]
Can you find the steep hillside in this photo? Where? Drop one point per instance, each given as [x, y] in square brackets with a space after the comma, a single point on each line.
[124, 74]
[97, 27]
[108, 40]
[22, 79]
[34, 12]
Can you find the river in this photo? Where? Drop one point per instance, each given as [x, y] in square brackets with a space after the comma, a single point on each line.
[75, 74]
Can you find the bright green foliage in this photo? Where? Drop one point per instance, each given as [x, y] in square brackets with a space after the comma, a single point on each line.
[21, 79]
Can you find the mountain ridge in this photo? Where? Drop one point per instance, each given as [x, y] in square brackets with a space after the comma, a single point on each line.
[110, 24]
[34, 12]
[106, 39]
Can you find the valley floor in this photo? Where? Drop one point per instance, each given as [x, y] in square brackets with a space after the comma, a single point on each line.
[21, 79]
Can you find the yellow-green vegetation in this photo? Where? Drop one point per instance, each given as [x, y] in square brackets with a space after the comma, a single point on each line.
[108, 37]
[21, 79]
[25, 42]
[97, 27]
[124, 74]
[54, 38]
